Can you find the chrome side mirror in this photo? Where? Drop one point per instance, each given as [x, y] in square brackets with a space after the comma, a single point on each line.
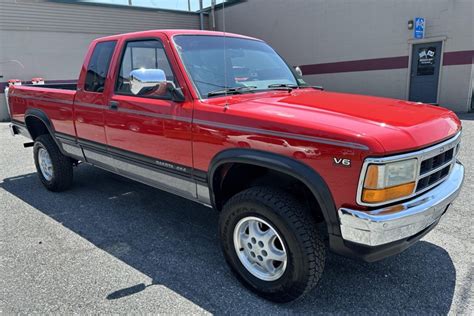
[141, 79]
[299, 71]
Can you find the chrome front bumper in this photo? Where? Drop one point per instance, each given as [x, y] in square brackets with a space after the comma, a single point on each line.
[400, 221]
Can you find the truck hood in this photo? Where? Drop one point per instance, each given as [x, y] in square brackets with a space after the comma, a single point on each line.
[396, 125]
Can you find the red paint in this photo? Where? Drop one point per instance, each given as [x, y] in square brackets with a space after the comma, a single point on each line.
[193, 132]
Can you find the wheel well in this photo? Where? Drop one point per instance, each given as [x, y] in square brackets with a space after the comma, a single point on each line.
[35, 126]
[232, 178]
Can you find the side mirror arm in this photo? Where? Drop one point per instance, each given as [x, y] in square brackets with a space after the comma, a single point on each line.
[176, 93]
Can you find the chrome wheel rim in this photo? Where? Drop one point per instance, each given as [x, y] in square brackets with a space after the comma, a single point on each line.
[260, 248]
[45, 164]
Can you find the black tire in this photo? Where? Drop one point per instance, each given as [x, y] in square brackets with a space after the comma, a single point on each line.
[62, 165]
[306, 252]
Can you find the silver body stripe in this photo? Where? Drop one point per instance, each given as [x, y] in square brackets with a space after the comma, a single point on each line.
[186, 188]
[176, 185]
[203, 194]
[283, 134]
[157, 115]
[68, 102]
[90, 105]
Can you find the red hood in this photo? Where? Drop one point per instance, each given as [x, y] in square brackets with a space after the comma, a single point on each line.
[396, 125]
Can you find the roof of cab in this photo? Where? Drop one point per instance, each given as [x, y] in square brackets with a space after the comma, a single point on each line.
[170, 33]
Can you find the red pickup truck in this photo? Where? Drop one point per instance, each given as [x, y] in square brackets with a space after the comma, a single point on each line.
[222, 120]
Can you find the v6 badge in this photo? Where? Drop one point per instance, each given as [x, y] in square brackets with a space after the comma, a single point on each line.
[343, 162]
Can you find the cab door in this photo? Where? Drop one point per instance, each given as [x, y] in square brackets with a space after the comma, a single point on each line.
[91, 101]
[149, 136]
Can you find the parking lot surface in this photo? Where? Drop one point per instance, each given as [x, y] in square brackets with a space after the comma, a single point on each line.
[111, 245]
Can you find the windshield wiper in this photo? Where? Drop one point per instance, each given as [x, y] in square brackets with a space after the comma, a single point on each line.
[232, 90]
[283, 86]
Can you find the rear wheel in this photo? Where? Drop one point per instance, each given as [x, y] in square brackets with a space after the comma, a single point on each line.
[54, 169]
[269, 240]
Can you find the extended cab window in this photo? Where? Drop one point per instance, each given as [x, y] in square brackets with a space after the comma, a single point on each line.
[99, 66]
[148, 54]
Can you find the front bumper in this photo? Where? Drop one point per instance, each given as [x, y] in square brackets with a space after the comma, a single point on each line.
[404, 220]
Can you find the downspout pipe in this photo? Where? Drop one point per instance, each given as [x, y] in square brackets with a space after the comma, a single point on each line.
[213, 13]
[201, 15]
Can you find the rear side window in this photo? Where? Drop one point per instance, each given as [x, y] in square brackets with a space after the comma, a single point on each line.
[148, 54]
[99, 66]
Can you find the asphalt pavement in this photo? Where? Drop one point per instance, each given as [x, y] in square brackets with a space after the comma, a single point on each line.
[111, 245]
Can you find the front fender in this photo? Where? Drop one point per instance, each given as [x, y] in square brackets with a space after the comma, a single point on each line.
[286, 165]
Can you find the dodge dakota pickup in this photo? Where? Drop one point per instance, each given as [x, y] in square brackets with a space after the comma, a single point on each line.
[222, 120]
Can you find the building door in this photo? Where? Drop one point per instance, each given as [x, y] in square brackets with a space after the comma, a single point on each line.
[424, 75]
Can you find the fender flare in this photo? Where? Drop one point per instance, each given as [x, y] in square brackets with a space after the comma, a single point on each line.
[38, 114]
[302, 172]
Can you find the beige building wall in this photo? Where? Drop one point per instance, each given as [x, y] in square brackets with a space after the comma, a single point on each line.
[49, 40]
[307, 32]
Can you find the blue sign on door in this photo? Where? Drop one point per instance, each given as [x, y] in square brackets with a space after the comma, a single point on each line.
[419, 29]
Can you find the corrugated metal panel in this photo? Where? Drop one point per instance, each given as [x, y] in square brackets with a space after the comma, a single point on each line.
[81, 18]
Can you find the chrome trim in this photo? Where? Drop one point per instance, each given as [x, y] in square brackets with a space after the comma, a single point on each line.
[282, 134]
[389, 224]
[146, 78]
[420, 155]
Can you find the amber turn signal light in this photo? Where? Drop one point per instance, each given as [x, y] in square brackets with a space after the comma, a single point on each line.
[392, 193]
[372, 177]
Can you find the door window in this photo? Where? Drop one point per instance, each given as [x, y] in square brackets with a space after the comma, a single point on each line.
[426, 61]
[99, 66]
[148, 54]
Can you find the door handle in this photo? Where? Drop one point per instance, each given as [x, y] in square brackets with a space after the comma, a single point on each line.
[113, 105]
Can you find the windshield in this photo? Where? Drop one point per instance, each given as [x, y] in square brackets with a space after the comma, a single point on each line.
[246, 64]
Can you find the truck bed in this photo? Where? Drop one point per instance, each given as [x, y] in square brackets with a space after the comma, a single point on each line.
[55, 100]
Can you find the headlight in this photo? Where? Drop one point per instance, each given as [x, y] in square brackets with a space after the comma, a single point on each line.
[389, 181]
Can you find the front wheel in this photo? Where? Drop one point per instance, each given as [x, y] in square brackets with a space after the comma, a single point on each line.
[54, 169]
[270, 242]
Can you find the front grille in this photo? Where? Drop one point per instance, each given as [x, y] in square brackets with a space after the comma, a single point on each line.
[436, 161]
[433, 170]
[432, 178]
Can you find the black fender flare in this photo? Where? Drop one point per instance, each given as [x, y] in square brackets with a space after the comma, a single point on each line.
[302, 172]
[43, 117]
